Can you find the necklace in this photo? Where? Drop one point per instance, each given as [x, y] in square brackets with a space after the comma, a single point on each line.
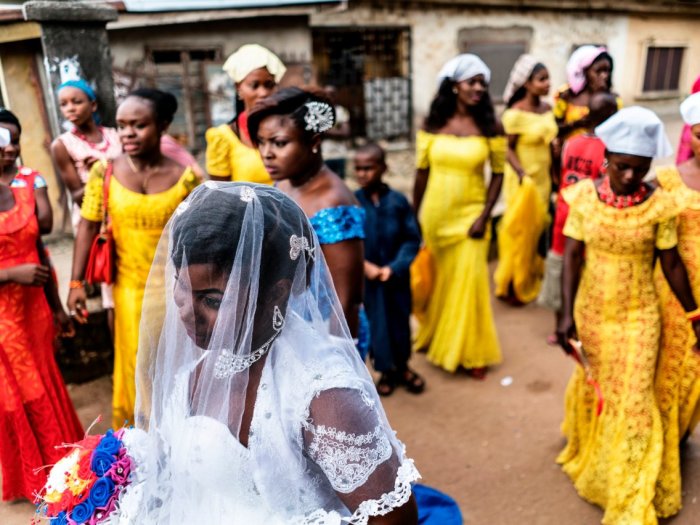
[609, 197]
[105, 144]
[146, 177]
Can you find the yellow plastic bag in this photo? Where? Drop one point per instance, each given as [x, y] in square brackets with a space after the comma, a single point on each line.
[422, 281]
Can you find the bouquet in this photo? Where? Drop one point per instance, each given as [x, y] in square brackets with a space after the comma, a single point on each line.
[90, 483]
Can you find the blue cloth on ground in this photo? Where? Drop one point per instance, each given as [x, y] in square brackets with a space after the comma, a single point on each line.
[436, 508]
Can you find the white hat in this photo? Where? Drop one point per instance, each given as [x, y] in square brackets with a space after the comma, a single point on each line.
[463, 67]
[635, 131]
[5, 137]
[250, 57]
[690, 109]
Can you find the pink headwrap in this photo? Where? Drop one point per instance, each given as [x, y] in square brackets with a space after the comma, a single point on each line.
[580, 60]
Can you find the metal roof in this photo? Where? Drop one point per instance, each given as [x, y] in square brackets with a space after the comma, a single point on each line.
[194, 5]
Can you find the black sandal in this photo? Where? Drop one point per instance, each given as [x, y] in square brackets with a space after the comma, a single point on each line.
[412, 381]
[386, 384]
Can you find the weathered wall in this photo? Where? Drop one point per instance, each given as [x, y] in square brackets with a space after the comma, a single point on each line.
[289, 37]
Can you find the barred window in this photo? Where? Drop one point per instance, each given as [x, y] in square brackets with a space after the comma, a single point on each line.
[663, 69]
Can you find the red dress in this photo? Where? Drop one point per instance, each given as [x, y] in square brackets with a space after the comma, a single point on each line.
[36, 413]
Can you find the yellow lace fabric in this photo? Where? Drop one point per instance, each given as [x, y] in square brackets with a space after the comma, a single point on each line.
[615, 459]
[137, 223]
[567, 112]
[227, 156]
[678, 369]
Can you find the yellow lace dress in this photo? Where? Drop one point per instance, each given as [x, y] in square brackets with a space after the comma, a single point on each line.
[678, 369]
[227, 156]
[137, 223]
[458, 327]
[614, 459]
[520, 267]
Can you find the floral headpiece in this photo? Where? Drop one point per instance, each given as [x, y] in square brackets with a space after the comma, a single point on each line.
[319, 117]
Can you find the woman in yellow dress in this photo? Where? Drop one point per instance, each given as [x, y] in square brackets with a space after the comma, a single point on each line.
[145, 187]
[231, 154]
[614, 457]
[461, 134]
[588, 71]
[530, 127]
[678, 369]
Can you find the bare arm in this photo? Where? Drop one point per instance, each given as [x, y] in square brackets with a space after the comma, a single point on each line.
[44, 213]
[571, 275]
[346, 263]
[419, 186]
[677, 277]
[87, 230]
[407, 514]
[478, 229]
[512, 156]
[66, 169]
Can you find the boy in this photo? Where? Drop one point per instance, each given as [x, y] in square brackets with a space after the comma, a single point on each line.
[583, 157]
[392, 240]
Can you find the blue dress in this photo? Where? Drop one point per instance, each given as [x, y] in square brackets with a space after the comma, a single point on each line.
[338, 224]
[392, 239]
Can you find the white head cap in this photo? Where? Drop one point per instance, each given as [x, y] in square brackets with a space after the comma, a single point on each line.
[635, 131]
[5, 137]
[250, 57]
[690, 109]
[463, 67]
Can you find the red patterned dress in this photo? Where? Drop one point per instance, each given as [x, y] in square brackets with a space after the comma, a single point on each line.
[36, 413]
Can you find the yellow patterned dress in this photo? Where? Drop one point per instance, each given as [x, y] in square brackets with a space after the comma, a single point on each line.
[614, 460]
[520, 266]
[678, 369]
[227, 156]
[458, 327]
[137, 223]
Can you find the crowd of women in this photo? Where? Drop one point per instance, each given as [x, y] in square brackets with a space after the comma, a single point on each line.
[210, 278]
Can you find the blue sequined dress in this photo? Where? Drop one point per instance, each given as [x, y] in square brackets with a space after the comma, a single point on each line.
[338, 224]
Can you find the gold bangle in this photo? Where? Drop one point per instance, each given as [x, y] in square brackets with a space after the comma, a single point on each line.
[691, 315]
[75, 285]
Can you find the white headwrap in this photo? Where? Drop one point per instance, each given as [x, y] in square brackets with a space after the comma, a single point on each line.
[635, 131]
[463, 67]
[520, 74]
[690, 109]
[580, 60]
[4, 137]
[251, 57]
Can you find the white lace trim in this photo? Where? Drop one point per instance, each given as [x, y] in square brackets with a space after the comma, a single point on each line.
[348, 459]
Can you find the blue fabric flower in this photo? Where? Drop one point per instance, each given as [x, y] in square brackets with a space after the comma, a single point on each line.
[101, 461]
[338, 224]
[100, 492]
[81, 513]
[60, 519]
[109, 444]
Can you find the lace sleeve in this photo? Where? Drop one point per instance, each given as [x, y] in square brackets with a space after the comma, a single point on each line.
[346, 437]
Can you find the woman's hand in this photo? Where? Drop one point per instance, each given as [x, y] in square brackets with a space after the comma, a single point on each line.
[29, 274]
[64, 323]
[76, 304]
[478, 229]
[566, 329]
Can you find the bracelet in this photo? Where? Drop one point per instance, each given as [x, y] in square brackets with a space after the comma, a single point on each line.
[75, 285]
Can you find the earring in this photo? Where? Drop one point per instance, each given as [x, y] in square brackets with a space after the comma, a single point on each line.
[455, 90]
[314, 149]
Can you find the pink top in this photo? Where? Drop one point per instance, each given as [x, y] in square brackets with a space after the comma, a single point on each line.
[80, 150]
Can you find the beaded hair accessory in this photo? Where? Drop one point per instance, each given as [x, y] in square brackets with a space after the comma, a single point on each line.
[297, 245]
[319, 117]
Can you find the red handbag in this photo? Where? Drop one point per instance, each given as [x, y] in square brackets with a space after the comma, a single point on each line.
[101, 267]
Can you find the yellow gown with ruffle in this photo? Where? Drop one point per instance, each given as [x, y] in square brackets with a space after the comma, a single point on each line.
[458, 326]
[678, 369]
[137, 223]
[520, 267]
[615, 459]
[227, 156]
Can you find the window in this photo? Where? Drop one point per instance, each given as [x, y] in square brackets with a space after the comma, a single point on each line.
[499, 48]
[663, 69]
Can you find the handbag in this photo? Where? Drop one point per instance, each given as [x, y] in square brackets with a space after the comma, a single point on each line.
[101, 266]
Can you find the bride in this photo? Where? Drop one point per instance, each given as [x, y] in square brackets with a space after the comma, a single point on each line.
[257, 406]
